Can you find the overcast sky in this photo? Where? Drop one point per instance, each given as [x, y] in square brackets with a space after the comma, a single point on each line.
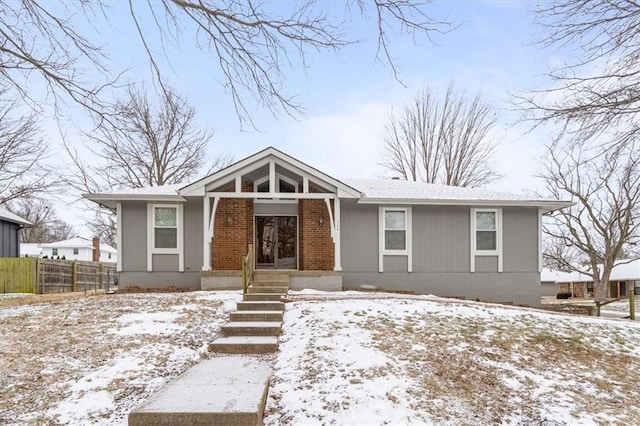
[348, 95]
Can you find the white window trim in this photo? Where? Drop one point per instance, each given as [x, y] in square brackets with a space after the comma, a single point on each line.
[408, 240]
[151, 250]
[472, 234]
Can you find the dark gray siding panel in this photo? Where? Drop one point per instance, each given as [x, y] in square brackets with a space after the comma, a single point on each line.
[9, 246]
[193, 235]
[359, 237]
[519, 288]
[487, 263]
[520, 240]
[165, 262]
[160, 279]
[134, 236]
[441, 239]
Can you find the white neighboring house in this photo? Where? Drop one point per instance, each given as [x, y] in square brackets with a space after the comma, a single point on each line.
[30, 250]
[78, 249]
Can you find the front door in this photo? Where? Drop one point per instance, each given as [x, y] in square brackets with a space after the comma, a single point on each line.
[276, 242]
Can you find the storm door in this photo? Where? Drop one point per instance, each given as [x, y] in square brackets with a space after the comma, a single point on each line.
[276, 242]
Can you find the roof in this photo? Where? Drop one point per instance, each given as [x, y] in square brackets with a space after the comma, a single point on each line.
[261, 158]
[77, 242]
[409, 192]
[31, 249]
[625, 269]
[147, 193]
[107, 248]
[551, 275]
[373, 191]
[7, 216]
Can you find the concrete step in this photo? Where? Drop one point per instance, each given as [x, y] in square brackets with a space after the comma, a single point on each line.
[224, 390]
[245, 345]
[260, 276]
[249, 328]
[255, 316]
[261, 297]
[260, 306]
[273, 283]
[270, 289]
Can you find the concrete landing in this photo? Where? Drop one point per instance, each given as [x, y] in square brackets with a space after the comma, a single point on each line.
[221, 390]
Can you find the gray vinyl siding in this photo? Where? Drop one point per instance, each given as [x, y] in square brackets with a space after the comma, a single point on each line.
[441, 255]
[134, 236]
[9, 244]
[520, 240]
[165, 266]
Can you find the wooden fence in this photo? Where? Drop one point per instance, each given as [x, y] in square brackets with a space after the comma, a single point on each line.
[45, 276]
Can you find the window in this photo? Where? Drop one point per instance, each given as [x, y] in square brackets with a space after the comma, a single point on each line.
[54, 252]
[165, 228]
[395, 230]
[165, 232]
[75, 251]
[395, 234]
[486, 235]
[109, 255]
[284, 184]
[486, 230]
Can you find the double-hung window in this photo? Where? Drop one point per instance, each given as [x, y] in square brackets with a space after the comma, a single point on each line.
[165, 227]
[486, 235]
[395, 234]
[164, 232]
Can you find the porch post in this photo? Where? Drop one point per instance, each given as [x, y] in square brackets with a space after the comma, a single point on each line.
[336, 238]
[206, 253]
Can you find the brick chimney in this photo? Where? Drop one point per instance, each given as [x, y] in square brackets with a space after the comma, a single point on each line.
[96, 249]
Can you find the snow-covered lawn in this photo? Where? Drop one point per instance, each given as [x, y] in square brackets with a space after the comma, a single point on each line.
[90, 360]
[345, 358]
[381, 360]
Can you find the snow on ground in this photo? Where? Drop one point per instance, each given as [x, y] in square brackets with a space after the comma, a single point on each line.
[344, 358]
[382, 359]
[90, 360]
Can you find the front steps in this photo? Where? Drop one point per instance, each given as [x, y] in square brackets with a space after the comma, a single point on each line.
[255, 326]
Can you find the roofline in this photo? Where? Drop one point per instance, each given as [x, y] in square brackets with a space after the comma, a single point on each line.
[547, 205]
[132, 197]
[247, 161]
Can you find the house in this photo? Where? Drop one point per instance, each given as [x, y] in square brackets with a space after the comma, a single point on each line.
[10, 226]
[330, 234]
[575, 283]
[30, 250]
[624, 275]
[80, 249]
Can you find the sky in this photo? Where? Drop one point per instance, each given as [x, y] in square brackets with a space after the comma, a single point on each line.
[348, 95]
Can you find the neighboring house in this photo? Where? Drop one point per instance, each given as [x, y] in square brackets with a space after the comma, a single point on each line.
[330, 234]
[10, 226]
[30, 250]
[575, 283]
[624, 275]
[78, 249]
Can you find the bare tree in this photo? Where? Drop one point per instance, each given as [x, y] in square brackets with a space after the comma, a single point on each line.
[253, 43]
[559, 255]
[144, 144]
[22, 172]
[47, 227]
[441, 140]
[596, 93]
[605, 185]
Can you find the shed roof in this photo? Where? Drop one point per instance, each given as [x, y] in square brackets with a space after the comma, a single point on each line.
[7, 216]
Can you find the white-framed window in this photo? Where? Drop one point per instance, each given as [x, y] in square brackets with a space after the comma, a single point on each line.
[54, 252]
[75, 250]
[486, 235]
[395, 234]
[164, 232]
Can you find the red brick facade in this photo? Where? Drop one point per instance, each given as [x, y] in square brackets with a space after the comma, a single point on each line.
[316, 251]
[234, 232]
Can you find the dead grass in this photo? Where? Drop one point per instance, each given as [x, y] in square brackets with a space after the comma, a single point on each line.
[49, 342]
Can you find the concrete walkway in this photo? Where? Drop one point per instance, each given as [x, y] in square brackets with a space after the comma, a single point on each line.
[229, 390]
